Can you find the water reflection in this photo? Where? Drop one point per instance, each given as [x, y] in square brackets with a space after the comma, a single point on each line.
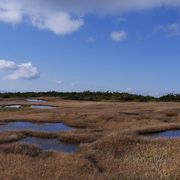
[35, 100]
[42, 107]
[50, 144]
[47, 127]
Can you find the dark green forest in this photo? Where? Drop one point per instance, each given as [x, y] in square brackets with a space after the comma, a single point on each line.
[92, 96]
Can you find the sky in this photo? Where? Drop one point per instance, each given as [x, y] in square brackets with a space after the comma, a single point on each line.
[78, 45]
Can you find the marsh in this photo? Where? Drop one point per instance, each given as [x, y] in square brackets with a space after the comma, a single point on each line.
[106, 140]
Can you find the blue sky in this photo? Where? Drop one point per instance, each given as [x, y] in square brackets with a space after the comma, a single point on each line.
[118, 48]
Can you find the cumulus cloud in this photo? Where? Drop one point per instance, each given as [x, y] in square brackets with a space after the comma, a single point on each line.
[8, 65]
[65, 16]
[170, 30]
[60, 23]
[118, 35]
[24, 71]
[10, 12]
[40, 14]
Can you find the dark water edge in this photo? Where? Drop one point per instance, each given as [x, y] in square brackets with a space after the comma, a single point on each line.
[50, 144]
[42, 127]
[165, 134]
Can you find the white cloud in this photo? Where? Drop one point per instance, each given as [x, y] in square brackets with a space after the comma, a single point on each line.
[170, 30]
[65, 16]
[24, 71]
[10, 12]
[60, 23]
[118, 35]
[8, 65]
[96, 6]
[40, 16]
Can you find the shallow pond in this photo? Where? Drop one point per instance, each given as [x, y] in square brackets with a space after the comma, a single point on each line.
[166, 134]
[35, 100]
[50, 144]
[13, 106]
[42, 107]
[46, 127]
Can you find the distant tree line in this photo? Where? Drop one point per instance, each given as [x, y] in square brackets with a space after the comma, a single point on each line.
[170, 97]
[92, 96]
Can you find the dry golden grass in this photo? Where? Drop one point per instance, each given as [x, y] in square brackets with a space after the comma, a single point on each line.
[109, 133]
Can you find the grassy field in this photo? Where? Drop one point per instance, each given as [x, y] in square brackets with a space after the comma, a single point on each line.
[109, 137]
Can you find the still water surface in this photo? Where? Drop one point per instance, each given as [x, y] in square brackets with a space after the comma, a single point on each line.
[46, 127]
